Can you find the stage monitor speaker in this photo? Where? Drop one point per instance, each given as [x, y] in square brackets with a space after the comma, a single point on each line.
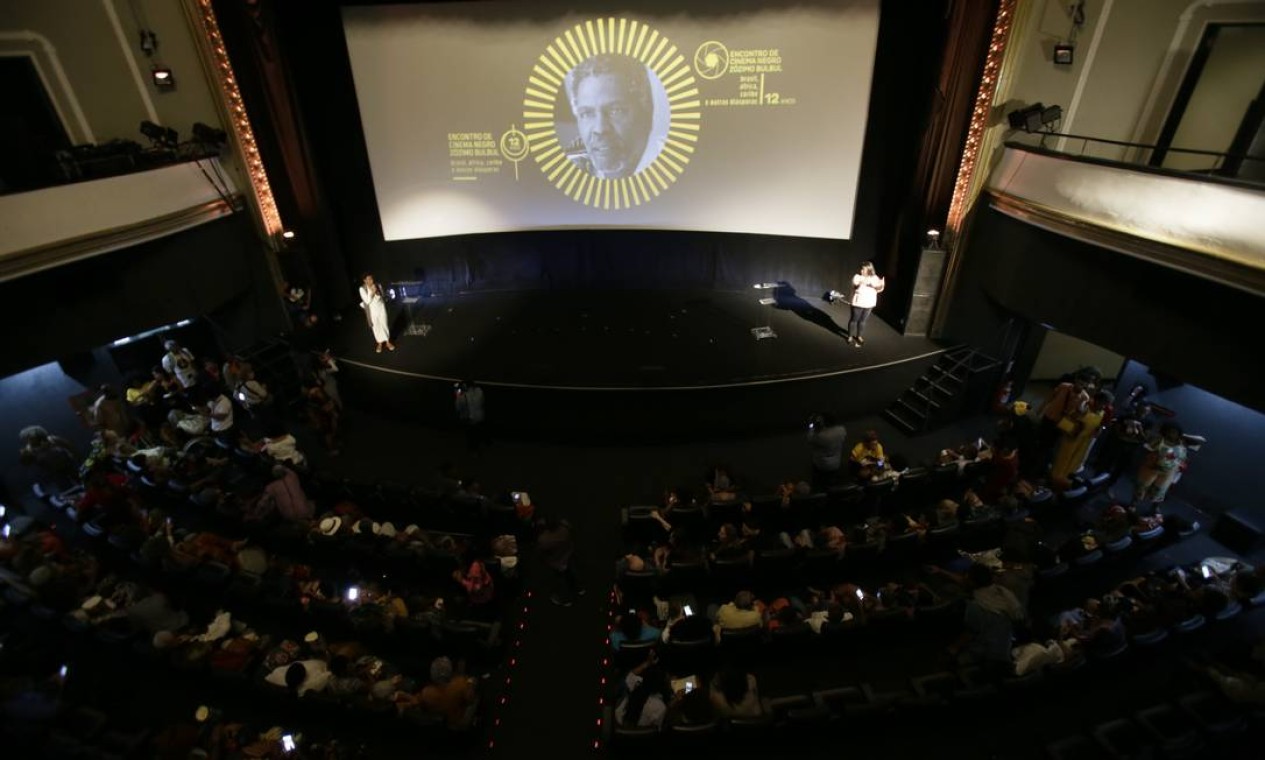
[1236, 533]
[922, 304]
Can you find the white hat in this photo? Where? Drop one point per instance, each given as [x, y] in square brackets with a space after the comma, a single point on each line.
[411, 529]
[364, 525]
[524, 498]
[388, 529]
[330, 525]
[312, 637]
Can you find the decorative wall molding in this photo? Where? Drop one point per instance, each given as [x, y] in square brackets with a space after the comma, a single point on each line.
[42, 51]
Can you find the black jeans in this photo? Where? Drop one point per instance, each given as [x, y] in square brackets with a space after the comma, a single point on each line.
[856, 322]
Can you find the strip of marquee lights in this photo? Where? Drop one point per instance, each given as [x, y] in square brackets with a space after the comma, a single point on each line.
[240, 121]
[618, 36]
[979, 117]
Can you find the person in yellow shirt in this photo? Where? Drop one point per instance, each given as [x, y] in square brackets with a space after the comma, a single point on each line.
[743, 612]
[869, 452]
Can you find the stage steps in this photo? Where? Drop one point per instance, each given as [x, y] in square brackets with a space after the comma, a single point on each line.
[960, 382]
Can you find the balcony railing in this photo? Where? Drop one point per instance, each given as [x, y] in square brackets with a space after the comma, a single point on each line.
[1207, 225]
[1201, 163]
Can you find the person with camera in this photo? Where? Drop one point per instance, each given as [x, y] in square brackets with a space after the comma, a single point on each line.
[868, 460]
[179, 361]
[825, 443]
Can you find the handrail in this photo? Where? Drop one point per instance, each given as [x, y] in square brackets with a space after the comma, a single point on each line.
[1147, 146]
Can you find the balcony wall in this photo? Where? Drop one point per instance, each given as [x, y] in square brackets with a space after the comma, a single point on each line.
[57, 225]
[1200, 225]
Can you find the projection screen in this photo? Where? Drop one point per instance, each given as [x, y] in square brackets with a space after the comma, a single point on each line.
[731, 116]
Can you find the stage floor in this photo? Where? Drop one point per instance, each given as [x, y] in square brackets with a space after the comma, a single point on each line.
[623, 340]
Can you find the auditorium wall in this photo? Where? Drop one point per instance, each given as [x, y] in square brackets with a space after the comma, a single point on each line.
[1187, 327]
[100, 98]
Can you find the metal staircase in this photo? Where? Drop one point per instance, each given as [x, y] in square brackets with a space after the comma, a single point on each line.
[959, 383]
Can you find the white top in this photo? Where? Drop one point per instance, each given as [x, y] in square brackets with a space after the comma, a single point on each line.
[652, 713]
[251, 393]
[284, 449]
[180, 363]
[221, 405]
[318, 676]
[369, 295]
[865, 290]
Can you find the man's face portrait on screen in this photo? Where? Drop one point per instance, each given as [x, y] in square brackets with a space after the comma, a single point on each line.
[611, 100]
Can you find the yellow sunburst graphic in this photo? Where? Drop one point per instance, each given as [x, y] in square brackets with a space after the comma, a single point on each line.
[545, 94]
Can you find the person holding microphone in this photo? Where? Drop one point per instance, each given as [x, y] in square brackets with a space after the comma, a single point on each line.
[866, 285]
[375, 308]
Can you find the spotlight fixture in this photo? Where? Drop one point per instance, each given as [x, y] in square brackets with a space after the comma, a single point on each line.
[163, 78]
[288, 234]
[1063, 54]
[159, 135]
[1032, 118]
[933, 238]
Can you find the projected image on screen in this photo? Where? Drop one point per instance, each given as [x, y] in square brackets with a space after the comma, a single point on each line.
[610, 110]
[741, 117]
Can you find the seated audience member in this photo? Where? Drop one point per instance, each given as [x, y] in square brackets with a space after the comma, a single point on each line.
[867, 455]
[108, 412]
[828, 537]
[784, 613]
[51, 456]
[282, 447]
[155, 613]
[720, 486]
[743, 612]
[300, 677]
[322, 412]
[733, 694]
[1033, 657]
[1238, 686]
[729, 544]
[945, 514]
[284, 494]
[991, 595]
[450, 694]
[106, 499]
[1004, 472]
[631, 628]
[647, 695]
[179, 362]
[478, 585]
[1165, 459]
[986, 639]
[220, 410]
[681, 626]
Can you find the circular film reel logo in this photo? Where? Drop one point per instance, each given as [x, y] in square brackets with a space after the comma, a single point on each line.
[711, 60]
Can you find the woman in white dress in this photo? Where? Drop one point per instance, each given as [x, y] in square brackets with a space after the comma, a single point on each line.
[376, 312]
